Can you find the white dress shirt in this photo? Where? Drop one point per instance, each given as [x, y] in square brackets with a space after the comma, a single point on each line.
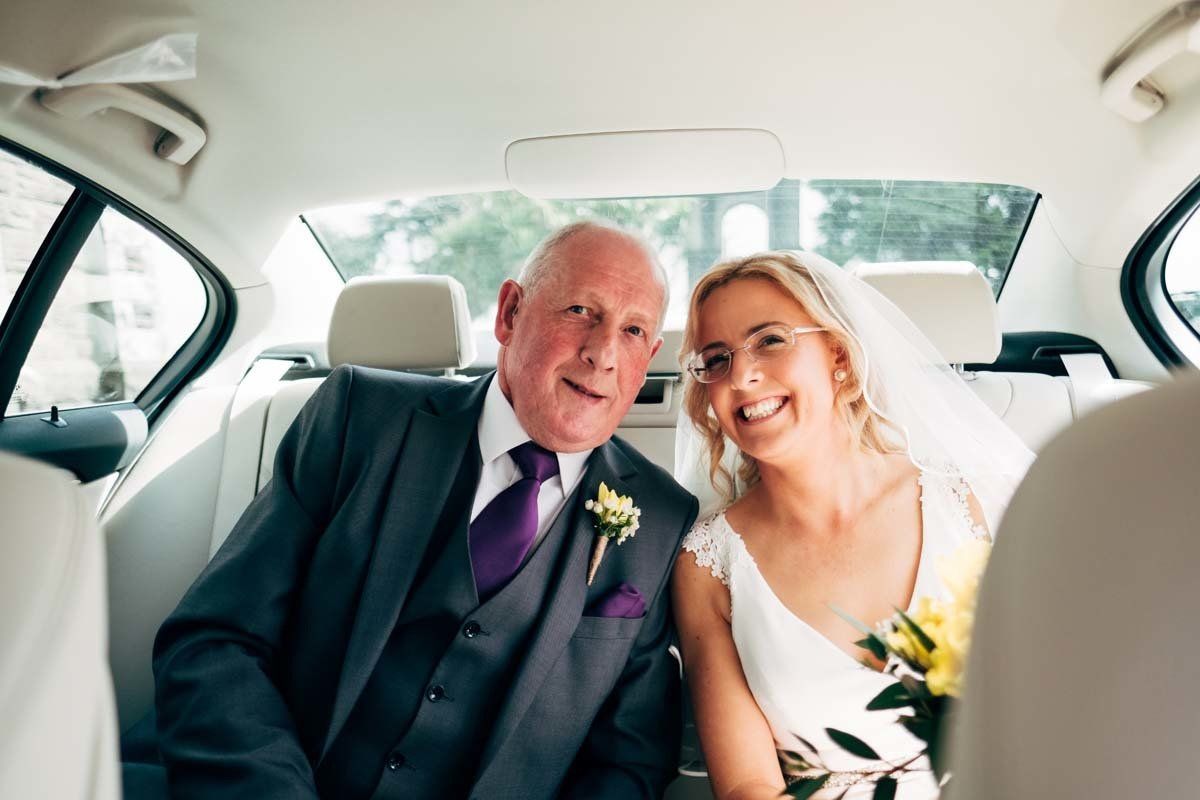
[499, 432]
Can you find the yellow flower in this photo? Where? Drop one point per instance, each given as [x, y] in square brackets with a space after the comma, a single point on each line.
[962, 569]
[948, 623]
[616, 515]
[608, 498]
[944, 676]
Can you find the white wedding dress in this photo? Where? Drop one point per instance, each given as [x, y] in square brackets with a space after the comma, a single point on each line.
[802, 681]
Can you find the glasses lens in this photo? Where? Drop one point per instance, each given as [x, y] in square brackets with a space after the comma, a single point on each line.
[771, 343]
[710, 365]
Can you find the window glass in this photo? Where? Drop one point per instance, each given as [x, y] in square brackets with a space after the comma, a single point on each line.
[30, 201]
[127, 305]
[1181, 272]
[481, 239]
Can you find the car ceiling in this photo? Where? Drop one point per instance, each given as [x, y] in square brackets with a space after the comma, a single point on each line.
[310, 104]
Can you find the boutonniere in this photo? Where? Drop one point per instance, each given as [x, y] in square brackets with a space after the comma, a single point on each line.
[616, 518]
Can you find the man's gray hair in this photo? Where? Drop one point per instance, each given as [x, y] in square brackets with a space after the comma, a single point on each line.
[541, 261]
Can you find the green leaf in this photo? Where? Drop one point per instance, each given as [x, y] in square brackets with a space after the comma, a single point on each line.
[922, 637]
[851, 744]
[807, 744]
[875, 645]
[803, 788]
[894, 696]
[923, 728]
[916, 688]
[885, 789]
[795, 761]
[846, 615]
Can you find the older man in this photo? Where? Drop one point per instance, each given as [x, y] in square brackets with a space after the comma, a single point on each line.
[404, 610]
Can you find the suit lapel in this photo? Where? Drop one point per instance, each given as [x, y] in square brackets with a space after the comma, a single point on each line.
[426, 467]
[564, 601]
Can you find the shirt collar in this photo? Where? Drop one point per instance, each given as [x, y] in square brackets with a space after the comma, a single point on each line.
[501, 431]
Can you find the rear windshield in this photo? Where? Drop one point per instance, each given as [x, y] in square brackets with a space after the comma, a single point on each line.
[483, 238]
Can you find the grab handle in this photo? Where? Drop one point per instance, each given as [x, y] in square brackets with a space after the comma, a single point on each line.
[1128, 90]
[180, 140]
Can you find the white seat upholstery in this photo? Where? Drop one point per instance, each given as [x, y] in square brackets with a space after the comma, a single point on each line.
[56, 697]
[949, 301]
[408, 322]
[1082, 680]
[952, 304]
[404, 322]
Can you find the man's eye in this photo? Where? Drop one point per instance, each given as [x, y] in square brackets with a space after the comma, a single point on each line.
[577, 310]
[635, 330]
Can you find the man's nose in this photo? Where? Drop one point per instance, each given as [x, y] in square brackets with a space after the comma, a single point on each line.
[600, 347]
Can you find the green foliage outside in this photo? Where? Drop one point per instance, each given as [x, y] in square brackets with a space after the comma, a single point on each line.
[923, 221]
[481, 239]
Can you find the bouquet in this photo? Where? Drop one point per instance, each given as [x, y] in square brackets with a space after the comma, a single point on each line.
[926, 653]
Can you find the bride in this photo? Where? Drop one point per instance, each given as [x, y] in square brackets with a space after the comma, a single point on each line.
[847, 457]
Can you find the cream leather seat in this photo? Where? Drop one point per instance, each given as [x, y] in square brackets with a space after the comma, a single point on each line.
[408, 322]
[952, 304]
[1082, 676]
[59, 735]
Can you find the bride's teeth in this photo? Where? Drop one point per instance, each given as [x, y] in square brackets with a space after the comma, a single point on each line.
[763, 408]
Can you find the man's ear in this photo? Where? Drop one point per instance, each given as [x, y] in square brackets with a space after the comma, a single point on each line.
[653, 352]
[507, 303]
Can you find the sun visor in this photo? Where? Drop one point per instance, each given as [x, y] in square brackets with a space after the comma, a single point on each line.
[645, 163]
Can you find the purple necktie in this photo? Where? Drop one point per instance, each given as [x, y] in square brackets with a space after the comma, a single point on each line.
[504, 531]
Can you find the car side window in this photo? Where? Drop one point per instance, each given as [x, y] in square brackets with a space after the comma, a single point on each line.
[1181, 272]
[30, 201]
[127, 305]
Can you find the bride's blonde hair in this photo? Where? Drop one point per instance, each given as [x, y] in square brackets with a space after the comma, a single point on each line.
[786, 271]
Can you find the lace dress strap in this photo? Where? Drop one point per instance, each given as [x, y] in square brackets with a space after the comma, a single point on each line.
[709, 541]
[958, 493]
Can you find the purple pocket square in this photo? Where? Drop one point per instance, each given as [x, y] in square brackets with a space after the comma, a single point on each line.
[624, 601]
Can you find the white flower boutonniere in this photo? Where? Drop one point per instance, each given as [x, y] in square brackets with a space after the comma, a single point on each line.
[616, 518]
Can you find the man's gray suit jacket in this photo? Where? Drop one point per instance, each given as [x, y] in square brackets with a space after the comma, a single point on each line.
[260, 665]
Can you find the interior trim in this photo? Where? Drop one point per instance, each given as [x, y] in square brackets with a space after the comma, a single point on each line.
[201, 348]
[1143, 286]
[40, 285]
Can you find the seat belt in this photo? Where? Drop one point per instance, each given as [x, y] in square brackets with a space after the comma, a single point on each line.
[1091, 381]
[244, 428]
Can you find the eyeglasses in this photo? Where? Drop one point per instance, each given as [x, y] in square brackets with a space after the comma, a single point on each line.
[713, 363]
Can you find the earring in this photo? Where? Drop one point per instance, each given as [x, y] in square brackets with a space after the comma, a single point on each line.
[839, 375]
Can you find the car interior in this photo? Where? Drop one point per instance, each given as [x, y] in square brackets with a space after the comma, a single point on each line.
[205, 207]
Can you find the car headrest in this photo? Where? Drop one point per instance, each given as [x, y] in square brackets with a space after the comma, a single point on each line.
[402, 322]
[55, 686]
[949, 301]
[1080, 657]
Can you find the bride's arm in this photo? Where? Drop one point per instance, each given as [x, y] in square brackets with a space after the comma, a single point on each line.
[738, 746]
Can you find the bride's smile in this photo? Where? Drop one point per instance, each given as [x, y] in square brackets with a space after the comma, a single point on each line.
[757, 411]
[774, 399]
